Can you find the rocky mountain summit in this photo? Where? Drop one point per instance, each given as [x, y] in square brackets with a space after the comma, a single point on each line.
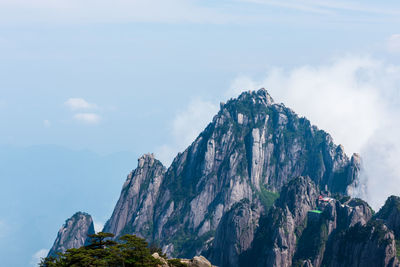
[73, 234]
[260, 186]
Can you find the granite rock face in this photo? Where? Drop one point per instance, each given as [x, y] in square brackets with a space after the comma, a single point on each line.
[277, 237]
[135, 208]
[230, 175]
[234, 234]
[73, 234]
[370, 245]
[390, 214]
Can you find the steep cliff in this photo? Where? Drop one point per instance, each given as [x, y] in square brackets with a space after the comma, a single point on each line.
[314, 244]
[390, 214]
[278, 234]
[370, 245]
[73, 234]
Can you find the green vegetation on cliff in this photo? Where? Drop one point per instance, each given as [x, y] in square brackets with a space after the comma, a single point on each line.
[131, 251]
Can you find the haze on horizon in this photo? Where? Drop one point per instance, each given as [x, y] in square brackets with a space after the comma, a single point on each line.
[88, 86]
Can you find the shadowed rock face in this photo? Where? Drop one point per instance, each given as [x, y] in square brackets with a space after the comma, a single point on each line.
[234, 234]
[370, 245]
[279, 231]
[73, 234]
[390, 214]
[341, 234]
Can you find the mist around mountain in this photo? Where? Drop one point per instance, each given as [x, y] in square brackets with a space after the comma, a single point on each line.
[260, 186]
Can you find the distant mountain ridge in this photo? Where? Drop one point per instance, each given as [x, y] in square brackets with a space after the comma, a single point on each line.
[242, 193]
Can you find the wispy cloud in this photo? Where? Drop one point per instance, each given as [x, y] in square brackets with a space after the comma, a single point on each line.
[172, 11]
[74, 11]
[357, 100]
[393, 43]
[292, 5]
[46, 123]
[79, 104]
[87, 118]
[42, 253]
[326, 7]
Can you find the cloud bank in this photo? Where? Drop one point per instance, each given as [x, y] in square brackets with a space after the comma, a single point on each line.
[356, 100]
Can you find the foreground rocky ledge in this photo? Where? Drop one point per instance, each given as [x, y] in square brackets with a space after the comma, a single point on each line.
[197, 261]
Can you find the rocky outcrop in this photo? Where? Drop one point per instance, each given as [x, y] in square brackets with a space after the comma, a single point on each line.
[390, 214]
[278, 234]
[234, 234]
[73, 234]
[135, 207]
[197, 261]
[299, 228]
[352, 212]
[334, 217]
[370, 245]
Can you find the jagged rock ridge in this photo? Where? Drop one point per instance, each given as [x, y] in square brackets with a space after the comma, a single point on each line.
[73, 234]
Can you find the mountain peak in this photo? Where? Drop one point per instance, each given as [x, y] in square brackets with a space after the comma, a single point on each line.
[74, 233]
[148, 160]
[260, 94]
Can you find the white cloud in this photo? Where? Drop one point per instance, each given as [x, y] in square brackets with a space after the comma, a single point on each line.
[98, 226]
[38, 256]
[46, 123]
[186, 126]
[167, 152]
[87, 118]
[76, 11]
[356, 100]
[79, 104]
[393, 43]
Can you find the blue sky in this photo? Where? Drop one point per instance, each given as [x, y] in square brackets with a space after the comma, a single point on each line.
[86, 87]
